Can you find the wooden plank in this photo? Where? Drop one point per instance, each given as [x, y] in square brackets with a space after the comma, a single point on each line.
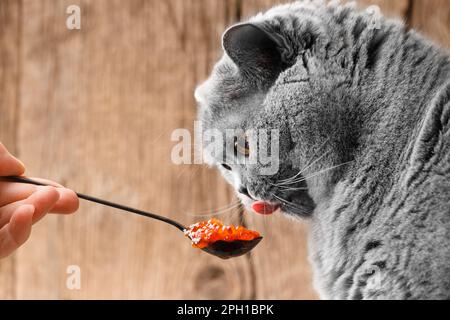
[251, 7]
[100, 104]
[9, 102]
[432, 18]
[390, 8]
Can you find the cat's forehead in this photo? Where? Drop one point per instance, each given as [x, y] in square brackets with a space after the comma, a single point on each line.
[225, 99]
[236, 114]
[223, 84]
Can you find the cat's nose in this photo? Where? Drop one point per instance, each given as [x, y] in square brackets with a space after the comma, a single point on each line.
[244, 190]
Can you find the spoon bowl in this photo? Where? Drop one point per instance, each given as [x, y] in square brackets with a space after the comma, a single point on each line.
[231, 249]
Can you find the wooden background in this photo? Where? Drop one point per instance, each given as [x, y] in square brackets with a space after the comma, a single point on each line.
[94, 110]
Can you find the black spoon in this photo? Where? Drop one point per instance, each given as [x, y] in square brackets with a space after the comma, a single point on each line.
[221, 249]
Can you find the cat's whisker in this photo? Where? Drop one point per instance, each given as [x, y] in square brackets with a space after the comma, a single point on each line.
[182, 172]
[221, 208]
[185, 170]
[216, 211]
[194, 172]
[291, 188]
[293, 206]
[304, 169]
[290, 204]
[159, 137]
[311, 163]
[322, 171]
[315, 161]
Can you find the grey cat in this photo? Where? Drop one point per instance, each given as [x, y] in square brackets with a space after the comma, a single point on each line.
[363, 111]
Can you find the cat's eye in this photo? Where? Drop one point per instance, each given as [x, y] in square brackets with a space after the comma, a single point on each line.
[241, 146]
[226, 166]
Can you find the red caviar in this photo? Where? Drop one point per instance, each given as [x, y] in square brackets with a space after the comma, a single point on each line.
[202, 234]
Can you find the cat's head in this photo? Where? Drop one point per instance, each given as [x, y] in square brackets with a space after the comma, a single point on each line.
[260, 86]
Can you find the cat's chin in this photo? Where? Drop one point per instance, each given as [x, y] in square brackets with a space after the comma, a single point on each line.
[296, 213]
[301, 206]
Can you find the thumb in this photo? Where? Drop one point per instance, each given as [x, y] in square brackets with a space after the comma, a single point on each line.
[9, 165]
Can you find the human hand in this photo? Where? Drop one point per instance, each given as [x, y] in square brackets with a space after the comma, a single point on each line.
[22, 205]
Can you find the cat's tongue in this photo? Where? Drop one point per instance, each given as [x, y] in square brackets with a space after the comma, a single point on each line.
[263, 207]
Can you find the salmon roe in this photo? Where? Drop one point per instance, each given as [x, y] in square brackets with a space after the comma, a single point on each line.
[202, 234]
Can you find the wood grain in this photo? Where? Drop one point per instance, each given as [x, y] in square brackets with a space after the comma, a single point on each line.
[432, 18]
[10, 25]
[104, 101]
[95, 109]
[390, 8]
[394, 9]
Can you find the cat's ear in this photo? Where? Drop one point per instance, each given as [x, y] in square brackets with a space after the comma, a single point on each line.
[253, 50]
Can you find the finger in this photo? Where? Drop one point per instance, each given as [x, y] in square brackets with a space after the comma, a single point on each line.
[47, 182]
[9, 165]
[67, 202]
[17, 231]
[16, 192]
[12, 192]
[44, 199]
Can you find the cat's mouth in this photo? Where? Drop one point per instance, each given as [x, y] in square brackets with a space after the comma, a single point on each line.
[295, 209]
[264, 207]
[299, 206]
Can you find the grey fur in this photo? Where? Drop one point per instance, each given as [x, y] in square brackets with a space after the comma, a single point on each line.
[351, 90]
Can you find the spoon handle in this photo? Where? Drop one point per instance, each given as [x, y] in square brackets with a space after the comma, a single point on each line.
[103, 202]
